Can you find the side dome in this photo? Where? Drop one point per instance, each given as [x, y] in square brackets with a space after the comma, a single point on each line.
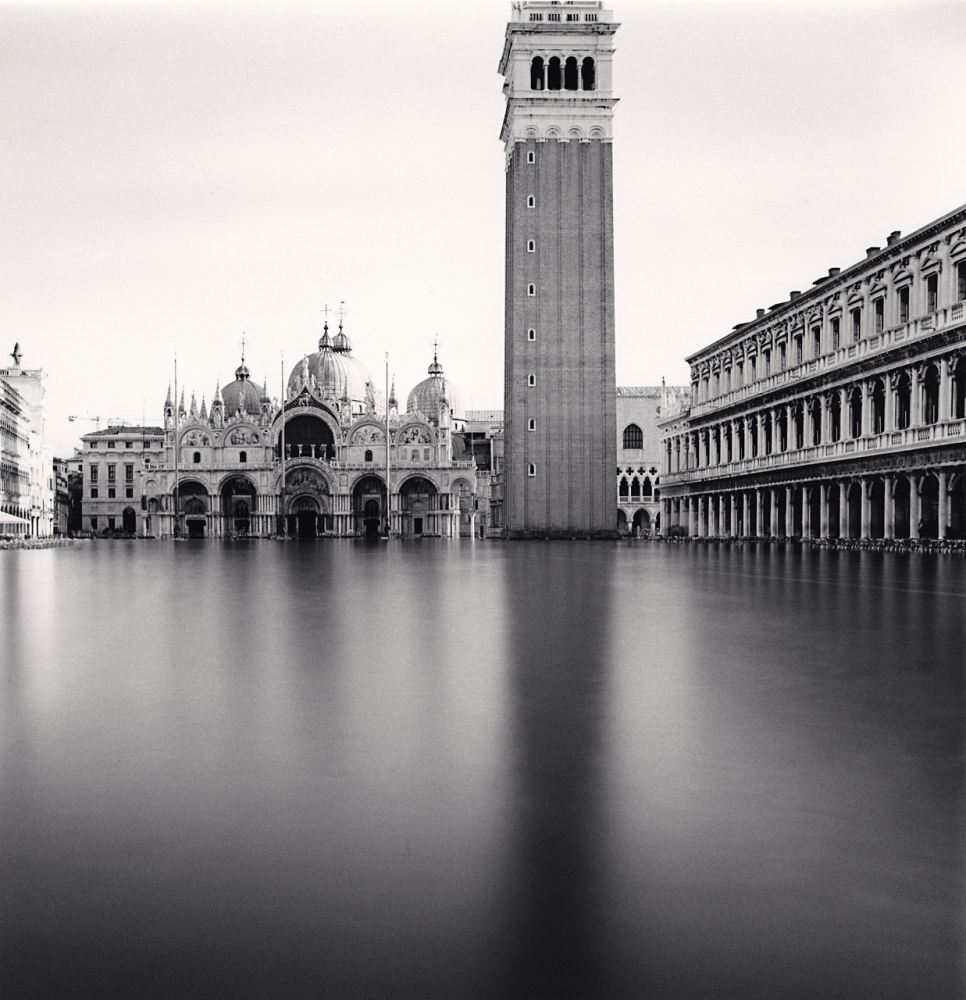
[426, 396]
[242, 393]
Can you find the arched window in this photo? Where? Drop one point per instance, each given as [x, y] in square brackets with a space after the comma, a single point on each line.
[959, 390]
[646, 489]
[903, 400]
[531, 424]
[531, 470]
[531, 289]
[536, 73]
[415, 454]
[196, 457]
[531, 246]
[622, 489]
[368, 457]
[587, 75]
[633, 436]
[531, 380]
[930, 410]
[553, 74]
[570, 74]
[635, 488]
[243, 456]
[855, 414]
[531, 201]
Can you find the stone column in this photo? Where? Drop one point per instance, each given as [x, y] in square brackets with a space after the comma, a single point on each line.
[943, 503]
[759, 514]
[915, 504]
[823, 510]
[889, 520]
[689, 503]
[844, 508]
[866, 507]
[745, 512]
[915, 402]
[773, 529]
[789, 511]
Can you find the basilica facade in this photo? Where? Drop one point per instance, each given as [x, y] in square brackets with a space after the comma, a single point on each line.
[323, 462]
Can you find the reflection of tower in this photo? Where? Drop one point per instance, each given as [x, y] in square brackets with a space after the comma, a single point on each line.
[560, 390]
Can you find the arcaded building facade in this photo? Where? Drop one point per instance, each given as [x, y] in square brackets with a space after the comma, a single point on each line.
[318, 465]
[559, 393]
[839, 413]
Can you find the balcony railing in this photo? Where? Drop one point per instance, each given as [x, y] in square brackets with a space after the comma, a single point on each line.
[892, 440]
[846, 353]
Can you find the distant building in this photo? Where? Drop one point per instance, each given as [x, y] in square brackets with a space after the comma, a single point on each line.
[61, 497]
[639, 410]
[29, 383]
[14, 462]
[838, 413]
[559, 390]
[115, 463]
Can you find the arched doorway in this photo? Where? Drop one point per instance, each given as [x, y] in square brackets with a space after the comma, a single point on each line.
[238, 504]
[901, 506]
[855, 510]
[129, 521]
[193, 505]
[306, 514]
[834, 529]
[929, 507]
[877, 508]
[957, 508]
[419, 501]
[369, 506]
[621, 522]
[642, 523]
[308, 436]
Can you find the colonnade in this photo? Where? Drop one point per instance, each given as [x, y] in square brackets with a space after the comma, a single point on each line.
[913, 504]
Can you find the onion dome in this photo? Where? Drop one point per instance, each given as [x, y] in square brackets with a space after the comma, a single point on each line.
[426, 396]
[242, 393]
[333, 368]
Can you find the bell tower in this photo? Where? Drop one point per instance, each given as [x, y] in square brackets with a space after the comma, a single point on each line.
[560, 384]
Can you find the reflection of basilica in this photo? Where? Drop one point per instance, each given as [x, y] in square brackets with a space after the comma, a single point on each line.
[228, 478]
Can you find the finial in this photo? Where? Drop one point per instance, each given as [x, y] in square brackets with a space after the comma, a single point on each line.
[341, 315]
[242, 343]
[167, 401]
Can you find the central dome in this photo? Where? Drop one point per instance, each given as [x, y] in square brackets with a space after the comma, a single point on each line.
[336, 372]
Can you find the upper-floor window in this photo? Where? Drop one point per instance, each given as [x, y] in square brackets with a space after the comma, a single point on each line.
[799, 352]
[128, 444]
[531, 424]
[536, 72]
[531, 289]
[856, 325]
[368, 455]
[590, 17]
[932, 293]
[879, 312]
[535, 17]
[196, 458]
[739, 375]
[753, 368]
[531, 470]
[243, 456]
[573, 17]
[128, 472]
[588, 79]
[570, 73]
[531, 334]
[961, 281]
[553, 16]
[111, 444]
[111, 473]
[633, 436]
[782, 357]
[816, 341]
[93, 444]
[93, 473]
[836, 333]
[554, 75]
[766, 364]
[904, 304]
[531, 246]
[530, 201]
[531, 157]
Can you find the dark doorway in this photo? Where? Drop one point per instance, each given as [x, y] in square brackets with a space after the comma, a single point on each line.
[834, 530]
[877, 509]
[370, 518]
[308, 437]
[242, 517]
[129, 521]
[929, 508]
[306, 521]
[196, 528]
[855, 511]
[901, 501]
[417, 525]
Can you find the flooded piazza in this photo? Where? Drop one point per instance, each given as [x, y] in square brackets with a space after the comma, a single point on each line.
[481, 769]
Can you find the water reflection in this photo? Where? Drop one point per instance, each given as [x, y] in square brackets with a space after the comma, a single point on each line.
[476, 770]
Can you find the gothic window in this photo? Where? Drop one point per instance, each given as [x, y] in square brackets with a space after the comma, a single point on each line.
[878, 407]
[553, 74]
[855, 414]
[570, 74]
[622, 489]
[635, 489]
[587, 75]
[536, 73]
[646, 490]
[368, 455]
[633, 436]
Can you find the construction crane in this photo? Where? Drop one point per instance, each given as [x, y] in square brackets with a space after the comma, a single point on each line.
[97, 420]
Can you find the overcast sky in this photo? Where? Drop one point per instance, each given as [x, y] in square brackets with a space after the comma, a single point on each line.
[176, 174]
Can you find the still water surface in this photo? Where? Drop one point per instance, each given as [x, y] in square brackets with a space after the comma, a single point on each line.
[470, 769]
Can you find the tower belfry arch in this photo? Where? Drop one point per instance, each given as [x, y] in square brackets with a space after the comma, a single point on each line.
[560, 384]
